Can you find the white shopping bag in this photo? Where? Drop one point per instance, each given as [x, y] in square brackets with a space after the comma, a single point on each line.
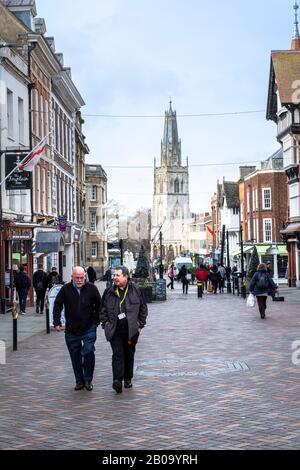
[251, 300]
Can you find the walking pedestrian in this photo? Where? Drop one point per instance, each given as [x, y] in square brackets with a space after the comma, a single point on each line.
[22, 284]
[82, 303]
[183, 276]
[171, 276]
[54, 278]
[40, 283]
[261, 286]
[124, 314]
[215, 277]
[91, 273]
[108, 278]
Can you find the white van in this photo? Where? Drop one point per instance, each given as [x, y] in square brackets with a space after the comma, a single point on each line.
[179, 261]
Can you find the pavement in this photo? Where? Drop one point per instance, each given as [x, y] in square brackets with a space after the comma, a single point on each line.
[209, 374]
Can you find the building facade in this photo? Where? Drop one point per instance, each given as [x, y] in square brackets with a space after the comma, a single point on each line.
[96, 218]
[284, 109]
[264, 212]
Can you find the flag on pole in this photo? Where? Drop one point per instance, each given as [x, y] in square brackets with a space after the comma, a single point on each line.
[211, 231]
[33, 158]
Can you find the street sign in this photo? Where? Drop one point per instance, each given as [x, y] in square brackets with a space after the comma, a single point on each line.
[113, 246]
[161, 291]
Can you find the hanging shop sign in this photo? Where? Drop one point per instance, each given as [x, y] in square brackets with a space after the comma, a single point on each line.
[18, 179]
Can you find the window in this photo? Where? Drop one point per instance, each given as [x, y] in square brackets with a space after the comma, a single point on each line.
[242, 211]
[93, 221]
[267, 230]
[266, 198]
[294, 201]
[10, 116]
[43, 190]
[21, 119]
[176, 186]
[94, 193]
[94, 249]
[256, 199]
[248, 201]
[249, 230]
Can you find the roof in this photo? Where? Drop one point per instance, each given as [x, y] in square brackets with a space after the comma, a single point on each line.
[19, 3]
[231, 192]
[286, 66]
[291, 228]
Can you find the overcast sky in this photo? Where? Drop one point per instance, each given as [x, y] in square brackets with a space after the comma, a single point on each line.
[128, 57]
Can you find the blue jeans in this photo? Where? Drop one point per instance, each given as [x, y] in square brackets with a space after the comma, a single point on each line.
[82, 353]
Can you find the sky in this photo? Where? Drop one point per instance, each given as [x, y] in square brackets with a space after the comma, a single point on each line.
[129, 57]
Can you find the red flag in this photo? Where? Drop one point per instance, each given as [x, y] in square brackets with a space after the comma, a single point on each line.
[211, 231]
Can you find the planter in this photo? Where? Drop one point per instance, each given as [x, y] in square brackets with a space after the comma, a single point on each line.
[147, 293]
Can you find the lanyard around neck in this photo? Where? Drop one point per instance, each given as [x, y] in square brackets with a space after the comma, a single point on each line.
[118, 294]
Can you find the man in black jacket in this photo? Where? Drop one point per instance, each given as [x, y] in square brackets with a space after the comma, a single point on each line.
[123, 316]
[82, 304]
[40, 283]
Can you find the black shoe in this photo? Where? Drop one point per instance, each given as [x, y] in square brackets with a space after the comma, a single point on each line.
[41, 313]
[117, 386]
[127, 383]
[89, 386]
[262, 315]
[79, 386]
[37, 310]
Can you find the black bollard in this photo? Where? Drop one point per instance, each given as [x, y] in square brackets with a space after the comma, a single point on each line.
[200, 289]
[15, 334]
[47, 315]
[15, 314]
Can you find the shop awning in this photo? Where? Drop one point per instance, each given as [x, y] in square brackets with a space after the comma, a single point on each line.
[49, 242]
[291, 228]
[262, 250]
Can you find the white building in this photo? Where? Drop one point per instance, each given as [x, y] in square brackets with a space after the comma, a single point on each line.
[14, 128]
[229, 206]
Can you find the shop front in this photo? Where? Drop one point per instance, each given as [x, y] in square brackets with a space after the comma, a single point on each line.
[16, 251]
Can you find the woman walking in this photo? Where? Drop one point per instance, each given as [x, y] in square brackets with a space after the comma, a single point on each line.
[261, 286]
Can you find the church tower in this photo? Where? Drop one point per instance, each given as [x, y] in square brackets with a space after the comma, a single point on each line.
[171, 193]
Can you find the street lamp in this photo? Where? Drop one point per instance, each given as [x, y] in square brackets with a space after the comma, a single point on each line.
[228, 265]
[161, 268]
[243, 287]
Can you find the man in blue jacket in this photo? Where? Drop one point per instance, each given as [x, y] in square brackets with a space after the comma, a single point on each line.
[82, 303]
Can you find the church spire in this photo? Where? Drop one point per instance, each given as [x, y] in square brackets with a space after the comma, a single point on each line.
[170, 145]
[296, 36]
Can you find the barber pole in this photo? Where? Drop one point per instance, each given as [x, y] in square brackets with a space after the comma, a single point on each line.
[33, 247]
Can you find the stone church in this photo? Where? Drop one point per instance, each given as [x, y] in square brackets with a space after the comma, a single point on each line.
[171, 209]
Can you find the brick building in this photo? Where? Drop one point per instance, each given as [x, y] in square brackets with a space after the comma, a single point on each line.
[263, 196]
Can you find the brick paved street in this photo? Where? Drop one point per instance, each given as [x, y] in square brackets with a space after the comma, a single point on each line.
[210, 374]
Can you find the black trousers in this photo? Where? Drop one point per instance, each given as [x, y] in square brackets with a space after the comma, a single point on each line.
[40, 299]
[171, 283]
[262, 304]
[123, 354]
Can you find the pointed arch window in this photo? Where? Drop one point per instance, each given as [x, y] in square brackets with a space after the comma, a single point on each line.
[176, 186]
[182, 186]
[161, 186]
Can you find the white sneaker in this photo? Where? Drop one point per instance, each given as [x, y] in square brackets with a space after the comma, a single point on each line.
[23, 313]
